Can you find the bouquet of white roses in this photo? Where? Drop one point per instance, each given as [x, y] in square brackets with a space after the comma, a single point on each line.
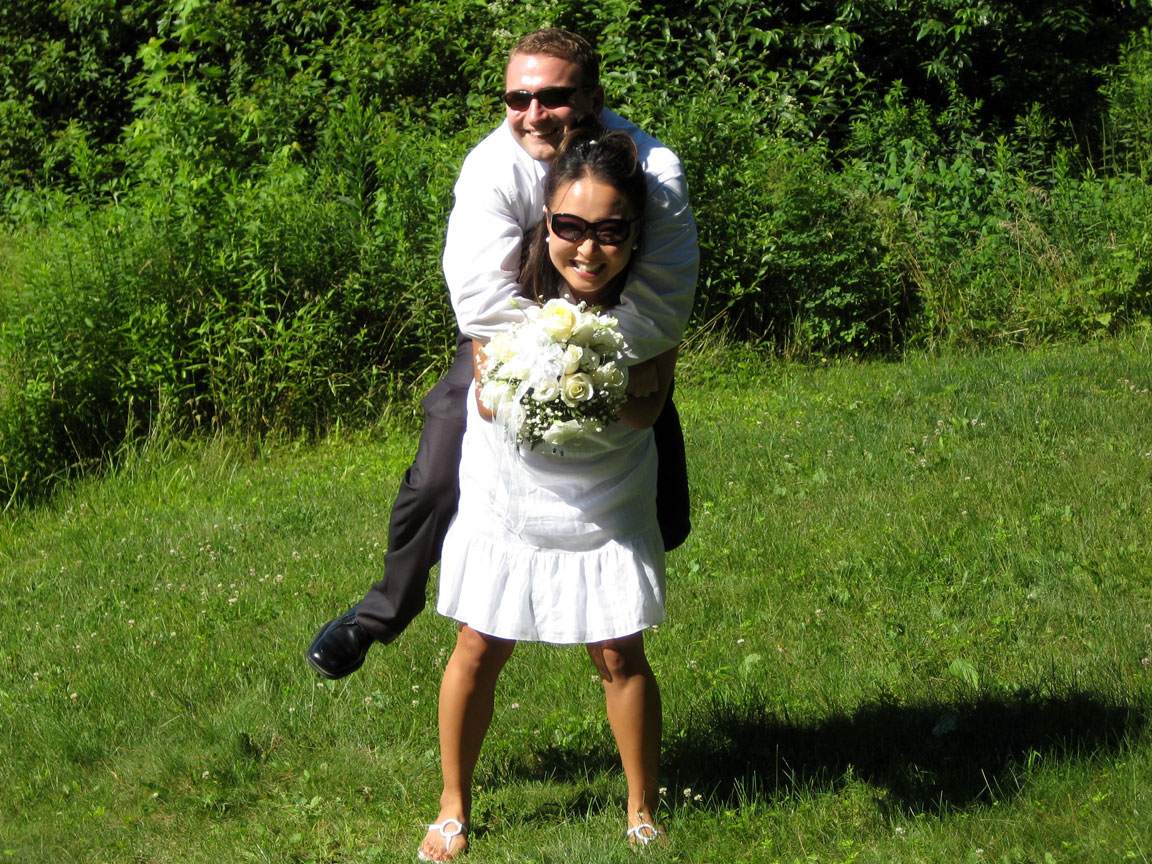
[555, 376]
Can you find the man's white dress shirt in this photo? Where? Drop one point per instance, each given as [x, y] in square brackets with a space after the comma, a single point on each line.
[499, 197]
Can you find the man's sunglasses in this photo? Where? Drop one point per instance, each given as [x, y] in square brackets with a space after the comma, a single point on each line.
[608, 232]
[549, 97]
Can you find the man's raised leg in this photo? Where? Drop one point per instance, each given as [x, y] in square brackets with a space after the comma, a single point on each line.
[420, 517]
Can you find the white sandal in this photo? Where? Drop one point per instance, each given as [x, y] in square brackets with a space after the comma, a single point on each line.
[448, 837]
[644, 833]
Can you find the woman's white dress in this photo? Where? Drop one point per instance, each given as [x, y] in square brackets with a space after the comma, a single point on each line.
[554, 547]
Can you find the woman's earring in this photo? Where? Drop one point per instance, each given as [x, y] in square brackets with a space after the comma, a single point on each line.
[547, 239]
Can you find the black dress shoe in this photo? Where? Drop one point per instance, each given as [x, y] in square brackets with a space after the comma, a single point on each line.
[340, 646]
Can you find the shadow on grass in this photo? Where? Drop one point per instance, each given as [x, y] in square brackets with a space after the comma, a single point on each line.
[929, 758]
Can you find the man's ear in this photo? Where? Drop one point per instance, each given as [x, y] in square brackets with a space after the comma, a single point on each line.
[598, 100]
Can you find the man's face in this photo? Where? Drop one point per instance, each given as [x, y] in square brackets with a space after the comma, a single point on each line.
[538, 129]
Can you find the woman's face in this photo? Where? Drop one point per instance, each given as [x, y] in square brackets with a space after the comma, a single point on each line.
[594, 254]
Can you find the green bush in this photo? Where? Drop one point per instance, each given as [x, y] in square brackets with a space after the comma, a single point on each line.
[1018, 241]
[62, 355]
[789, 253]
[1129, 94]
[230, 215]
[280, 302]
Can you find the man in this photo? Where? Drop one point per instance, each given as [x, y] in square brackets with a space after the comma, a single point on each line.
[551, 86]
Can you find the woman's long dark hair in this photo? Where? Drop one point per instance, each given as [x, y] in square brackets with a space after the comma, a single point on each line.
[609, 157]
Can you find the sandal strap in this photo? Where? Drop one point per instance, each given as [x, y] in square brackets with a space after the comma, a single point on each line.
[448, 835]
[645, 832]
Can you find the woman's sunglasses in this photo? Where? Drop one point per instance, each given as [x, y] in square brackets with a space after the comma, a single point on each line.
[608, 232]
[549, 97]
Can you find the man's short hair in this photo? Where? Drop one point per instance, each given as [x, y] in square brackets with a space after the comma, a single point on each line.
[554, 42]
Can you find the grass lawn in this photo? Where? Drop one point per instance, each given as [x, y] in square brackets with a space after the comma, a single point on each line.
[913, 624]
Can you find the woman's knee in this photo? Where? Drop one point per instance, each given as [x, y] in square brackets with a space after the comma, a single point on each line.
[619, 658]
[483, 653]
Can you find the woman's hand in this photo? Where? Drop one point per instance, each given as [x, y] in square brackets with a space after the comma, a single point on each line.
[479, 362]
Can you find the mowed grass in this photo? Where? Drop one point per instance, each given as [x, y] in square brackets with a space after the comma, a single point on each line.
[913, 624]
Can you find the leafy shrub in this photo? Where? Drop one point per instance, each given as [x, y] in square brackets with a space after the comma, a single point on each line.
[789, 254]
[230, 215]
[1017, 241]
[1129, 95]
[281, 301]
[306, 292]
[62, 352]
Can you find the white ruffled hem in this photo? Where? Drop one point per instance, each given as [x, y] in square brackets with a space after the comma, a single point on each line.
[516, 591]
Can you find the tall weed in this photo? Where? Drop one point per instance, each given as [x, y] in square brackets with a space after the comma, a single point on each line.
[1129, 95]
[278, 302]
[63, 354]
[259, 251]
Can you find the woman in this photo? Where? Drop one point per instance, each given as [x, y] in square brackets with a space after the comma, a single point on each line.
[560, 547]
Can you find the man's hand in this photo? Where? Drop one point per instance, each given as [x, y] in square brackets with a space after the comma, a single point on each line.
[642, 379]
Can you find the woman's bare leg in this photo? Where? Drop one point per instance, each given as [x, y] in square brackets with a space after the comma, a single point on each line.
[635, 715]
[467, 697]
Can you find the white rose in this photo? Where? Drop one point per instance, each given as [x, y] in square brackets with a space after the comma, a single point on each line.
[576, 388]
[564, 430]
[557, 319]
[500, 348]
[608, 339]
[609, 377]
[584, 330]
[518, 366]
[545, 389]
[573, 359]
[494, 394]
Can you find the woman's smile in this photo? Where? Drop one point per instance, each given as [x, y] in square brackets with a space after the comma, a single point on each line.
[588, 269]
